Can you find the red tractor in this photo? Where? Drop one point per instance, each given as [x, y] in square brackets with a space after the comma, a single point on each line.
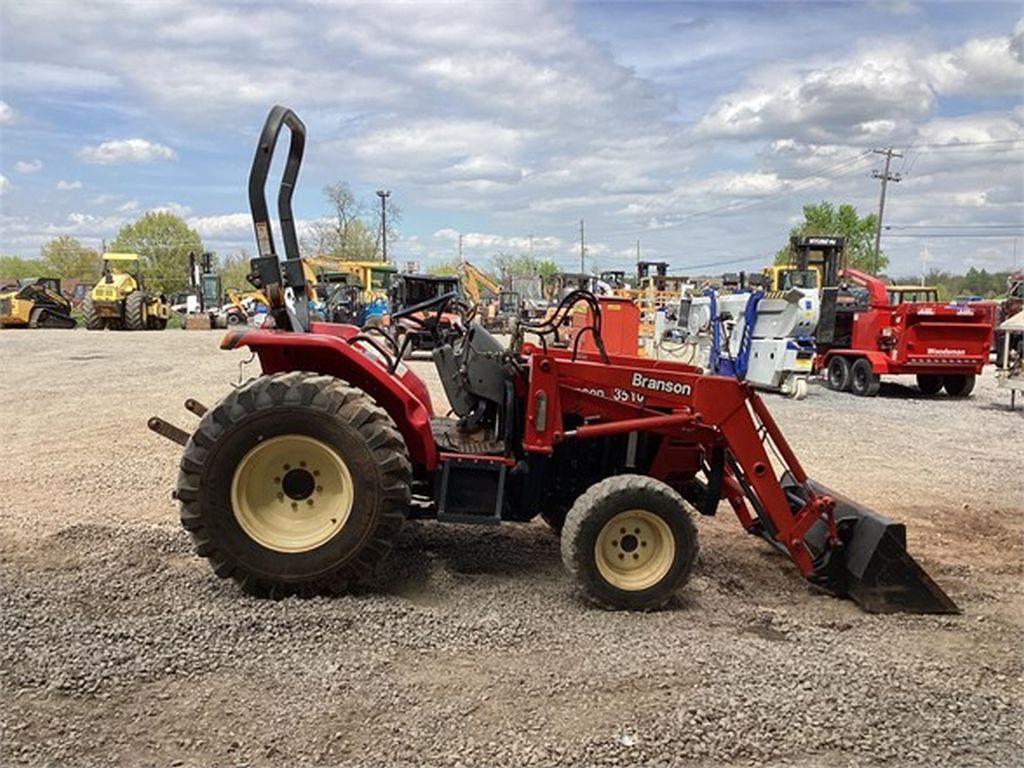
[298, 481]
[869, 330]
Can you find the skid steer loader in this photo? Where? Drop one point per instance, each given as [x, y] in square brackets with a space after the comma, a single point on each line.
[120, 301]
[298, 481]
[35, 302]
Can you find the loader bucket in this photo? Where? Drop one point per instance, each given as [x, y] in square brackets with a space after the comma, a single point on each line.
[875, 569]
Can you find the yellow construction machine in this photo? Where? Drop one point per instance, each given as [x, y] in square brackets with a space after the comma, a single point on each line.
[120, 301]
[35, 302]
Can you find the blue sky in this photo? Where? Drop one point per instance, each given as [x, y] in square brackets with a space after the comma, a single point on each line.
[699, 129]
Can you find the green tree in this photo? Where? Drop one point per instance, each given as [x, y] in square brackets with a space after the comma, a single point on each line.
[16, 267]
[235, 269]
[510, 266]
[351, 230]
[163, 242]
[447, 267]
[825, 218]
[65, 256]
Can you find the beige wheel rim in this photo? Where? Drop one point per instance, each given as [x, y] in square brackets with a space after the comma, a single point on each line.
[634, 550]
[292, 493]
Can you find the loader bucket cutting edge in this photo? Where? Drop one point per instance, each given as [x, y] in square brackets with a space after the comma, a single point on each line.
[879, 574]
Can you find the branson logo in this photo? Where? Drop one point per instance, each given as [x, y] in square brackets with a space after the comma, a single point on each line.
[933, 351]
[660, 385]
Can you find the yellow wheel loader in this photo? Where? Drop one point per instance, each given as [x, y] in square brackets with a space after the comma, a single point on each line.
[120, 302]
[35, 302]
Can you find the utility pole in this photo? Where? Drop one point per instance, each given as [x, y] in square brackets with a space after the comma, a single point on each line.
[886, 177]
[460, 247]
[638, 253]
[384, 194]
[531, 247]
[583, 251]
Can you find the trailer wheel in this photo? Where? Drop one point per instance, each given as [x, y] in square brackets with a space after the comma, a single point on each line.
[960, 385]
[929, 383]
[839, 373]
[93, 321]
[864, 382]
[294, 484]
[629, 543]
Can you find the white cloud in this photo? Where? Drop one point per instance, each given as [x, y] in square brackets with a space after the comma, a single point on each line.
[980, 66]
[67, 186]
[28, 166]
[4, 184]
[126, 151]
[482, 240]
[6, 113]
[222, 226]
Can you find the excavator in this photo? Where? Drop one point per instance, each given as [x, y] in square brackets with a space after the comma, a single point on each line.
[503, 305]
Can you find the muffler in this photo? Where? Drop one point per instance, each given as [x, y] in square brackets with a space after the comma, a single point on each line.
[872, 565]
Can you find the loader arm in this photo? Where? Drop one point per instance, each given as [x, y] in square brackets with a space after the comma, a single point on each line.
[837, 544]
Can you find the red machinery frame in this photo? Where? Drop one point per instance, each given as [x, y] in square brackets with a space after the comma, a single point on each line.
[914, 338]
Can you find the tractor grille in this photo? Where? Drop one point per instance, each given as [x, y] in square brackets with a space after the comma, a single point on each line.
[104, 293]
[5, 307]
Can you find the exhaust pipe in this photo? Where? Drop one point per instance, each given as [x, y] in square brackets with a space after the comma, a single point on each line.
[872, 566]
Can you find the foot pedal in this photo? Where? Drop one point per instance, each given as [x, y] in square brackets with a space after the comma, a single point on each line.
[471, 489]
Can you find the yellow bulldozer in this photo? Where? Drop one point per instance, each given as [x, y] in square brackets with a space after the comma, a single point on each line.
[120, 301]
[35, 302]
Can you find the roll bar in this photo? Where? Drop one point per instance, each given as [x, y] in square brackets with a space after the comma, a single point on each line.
[279, 116]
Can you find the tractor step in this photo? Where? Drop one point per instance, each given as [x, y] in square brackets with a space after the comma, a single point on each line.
[471, 488]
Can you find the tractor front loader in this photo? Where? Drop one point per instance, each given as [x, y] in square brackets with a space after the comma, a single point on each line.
[298, 481]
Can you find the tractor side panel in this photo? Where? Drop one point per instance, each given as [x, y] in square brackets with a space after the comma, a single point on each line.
[279, 351]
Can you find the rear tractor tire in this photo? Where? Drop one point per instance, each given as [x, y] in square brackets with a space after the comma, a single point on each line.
[93, 321]
[136, 316]
[929, 383]
[864, 382]
[629, 543]
[960, 385]
[294, 483]
[838, 373]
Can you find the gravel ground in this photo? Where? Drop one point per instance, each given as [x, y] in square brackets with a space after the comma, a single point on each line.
[119, 647]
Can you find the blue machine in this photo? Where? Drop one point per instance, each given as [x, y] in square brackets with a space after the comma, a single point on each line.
[723, 360]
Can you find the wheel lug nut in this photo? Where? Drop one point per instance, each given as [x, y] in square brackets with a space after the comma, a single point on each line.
[310, 502]
[280, 497]
[621, 555]
[287, 467]
[302, 463]
[277, 480]
[316, 473]
[636, 556]
[615, 543]
[295, 505]
[319, 489]
[643, 543]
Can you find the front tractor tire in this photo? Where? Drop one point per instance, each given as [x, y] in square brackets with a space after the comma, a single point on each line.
[93, 321]
[294, 484]
[629, 543]
[136, 317]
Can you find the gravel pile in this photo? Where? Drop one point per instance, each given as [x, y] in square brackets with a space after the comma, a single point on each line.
[118, 646]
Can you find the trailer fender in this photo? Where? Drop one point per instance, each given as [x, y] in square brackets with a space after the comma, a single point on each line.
[331, 354]
[879, 362]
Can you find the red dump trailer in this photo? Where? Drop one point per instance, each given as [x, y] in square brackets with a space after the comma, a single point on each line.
[869, 329]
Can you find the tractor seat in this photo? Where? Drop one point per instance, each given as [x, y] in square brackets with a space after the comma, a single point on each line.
[451, 439]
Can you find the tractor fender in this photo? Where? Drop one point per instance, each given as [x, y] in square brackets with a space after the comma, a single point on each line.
[879, 361]
[403, 395]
